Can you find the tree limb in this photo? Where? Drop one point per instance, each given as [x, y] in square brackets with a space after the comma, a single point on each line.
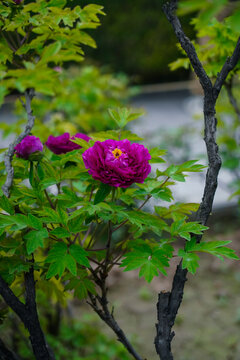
[40, 347]
[11, 299]
[169, 10]
[228, 66]
[10, 152]
[28, 315]
[169, 302]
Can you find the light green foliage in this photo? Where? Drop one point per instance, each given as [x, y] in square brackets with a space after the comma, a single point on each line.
[80, 104]
[207, 9]
[217, 248]
[219, 42]
[38, 36]
[122, 116]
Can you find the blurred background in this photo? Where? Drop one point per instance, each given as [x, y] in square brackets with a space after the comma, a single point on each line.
[130, 67]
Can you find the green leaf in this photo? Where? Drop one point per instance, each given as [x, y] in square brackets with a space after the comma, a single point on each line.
[102, 193]
[70, 264]
[156, 155]
[57, 3]
[149, 260]
[55, 268]
[216, 248]
[81, 285]
[190, 261]
[57, 252]
[79, 254]
[6, 205]
[178, 177]
[34, 222]
[60, 232]
[20, 222]
[183, 229]
[164, 194]
[76, 224]
[49, 52]
[123, 115]
[148, 271]
[35, 239]
[6, 220]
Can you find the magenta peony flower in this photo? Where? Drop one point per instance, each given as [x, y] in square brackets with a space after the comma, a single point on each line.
[17, 1]
[62, 144]
[117, 163]
[30, 144]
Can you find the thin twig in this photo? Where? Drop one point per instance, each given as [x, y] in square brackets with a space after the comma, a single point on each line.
[228, 66]
[10, 152]
[49, 199]
[107, 316]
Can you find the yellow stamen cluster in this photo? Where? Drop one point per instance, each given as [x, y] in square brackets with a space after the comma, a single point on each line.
[117, 153]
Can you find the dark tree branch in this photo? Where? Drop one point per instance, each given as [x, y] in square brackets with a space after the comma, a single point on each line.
[229, 65]
[6, 354]
[169, 302]
[28, 315]
[10, 152]
[40, 347]
[11, 299]
[169, 9]
[167, 308]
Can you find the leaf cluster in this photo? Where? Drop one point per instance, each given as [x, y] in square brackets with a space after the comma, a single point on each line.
[38, 36]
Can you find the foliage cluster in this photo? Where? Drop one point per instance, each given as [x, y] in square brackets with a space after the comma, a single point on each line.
[80, 103]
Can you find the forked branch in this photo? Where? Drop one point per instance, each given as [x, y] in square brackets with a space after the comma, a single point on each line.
[169, 302]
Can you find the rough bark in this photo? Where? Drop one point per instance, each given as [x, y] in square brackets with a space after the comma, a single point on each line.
[28, 315]
[169, 302]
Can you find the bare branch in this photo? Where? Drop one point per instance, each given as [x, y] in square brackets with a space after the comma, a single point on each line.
[11, 299]
[28, 315]
[169, 302]
[229, 65]
[169, 9]
[167, 308]
[40, 347]
[10, 152]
